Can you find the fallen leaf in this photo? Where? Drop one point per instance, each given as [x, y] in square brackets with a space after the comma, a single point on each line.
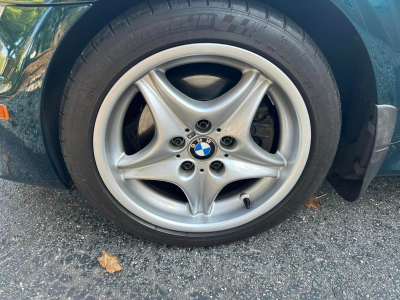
[73, 204]
[109, 262]
[313, 202]
[72, 188]
[6, 158]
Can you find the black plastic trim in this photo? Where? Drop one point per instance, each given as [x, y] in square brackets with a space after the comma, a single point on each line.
[379, 135]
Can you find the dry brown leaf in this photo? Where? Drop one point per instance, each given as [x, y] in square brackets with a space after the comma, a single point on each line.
[6, 158]
[109, 262]
[313, 202]
[72, 188]
[73, 204]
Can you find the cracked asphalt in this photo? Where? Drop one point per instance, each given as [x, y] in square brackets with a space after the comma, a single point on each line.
[49, 250]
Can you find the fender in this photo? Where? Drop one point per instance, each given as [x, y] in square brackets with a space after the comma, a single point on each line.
[378, 23]
[28, 39]
[24, 86]
[373, 33]
[43, 3]
[373, 149]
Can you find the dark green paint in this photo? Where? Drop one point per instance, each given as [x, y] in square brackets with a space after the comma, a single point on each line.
[31, 30]
[28, 38]
[40, 2]
[378, 23]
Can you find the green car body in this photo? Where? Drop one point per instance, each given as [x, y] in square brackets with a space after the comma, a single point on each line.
[41, 39]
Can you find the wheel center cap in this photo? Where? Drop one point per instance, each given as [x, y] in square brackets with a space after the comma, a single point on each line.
[202, 148]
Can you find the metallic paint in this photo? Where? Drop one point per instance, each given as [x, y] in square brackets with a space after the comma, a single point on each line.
[378, 23]
[36, 3]
[30, 32]
[28, 39]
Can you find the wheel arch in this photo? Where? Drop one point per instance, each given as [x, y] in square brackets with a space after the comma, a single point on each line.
[345, 52]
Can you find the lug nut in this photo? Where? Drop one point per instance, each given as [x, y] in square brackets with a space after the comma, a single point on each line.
[216, 165]
[177, 141]
[203, 124]
[227, 140]
[187, 165]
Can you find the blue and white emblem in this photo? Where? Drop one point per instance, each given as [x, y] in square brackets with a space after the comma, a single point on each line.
[202, 148]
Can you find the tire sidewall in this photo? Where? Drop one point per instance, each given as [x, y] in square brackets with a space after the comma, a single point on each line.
[119, 47]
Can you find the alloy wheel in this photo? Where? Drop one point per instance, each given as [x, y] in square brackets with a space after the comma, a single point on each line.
[202, 146]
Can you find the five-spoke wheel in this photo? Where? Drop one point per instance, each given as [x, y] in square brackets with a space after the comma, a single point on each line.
[220, 149]
[199, 124]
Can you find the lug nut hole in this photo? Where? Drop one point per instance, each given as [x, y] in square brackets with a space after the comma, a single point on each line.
[227, 141]
[178, 141]
[203, 125]
[187, 165]
[216, 165]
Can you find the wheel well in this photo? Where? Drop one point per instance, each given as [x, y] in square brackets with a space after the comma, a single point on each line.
[322, 20]
[72, 45]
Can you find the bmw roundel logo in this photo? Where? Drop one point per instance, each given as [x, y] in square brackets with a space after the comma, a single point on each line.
[202, 148]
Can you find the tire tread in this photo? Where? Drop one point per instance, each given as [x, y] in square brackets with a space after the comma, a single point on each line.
[118, 26]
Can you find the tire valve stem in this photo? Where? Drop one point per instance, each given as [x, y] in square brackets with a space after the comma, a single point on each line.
[246, 199]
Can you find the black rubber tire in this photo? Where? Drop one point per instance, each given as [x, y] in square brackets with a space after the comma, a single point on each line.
[157, 25]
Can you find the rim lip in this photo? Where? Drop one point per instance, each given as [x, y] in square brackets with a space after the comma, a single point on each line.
[203, 223]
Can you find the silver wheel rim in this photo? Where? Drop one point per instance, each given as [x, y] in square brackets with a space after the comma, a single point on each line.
[173, 112]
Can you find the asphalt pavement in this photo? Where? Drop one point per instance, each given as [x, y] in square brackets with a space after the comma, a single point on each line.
[49, 250]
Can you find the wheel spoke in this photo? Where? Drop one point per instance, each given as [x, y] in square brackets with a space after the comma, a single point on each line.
[201, 191]
[184, 108]
[239, 123]
[203, 188]
[218, 110]
[167, 122]
[249, 151]
[152, 153]
[239, 169]
[236, 103]
[240, 119]
[163, 170]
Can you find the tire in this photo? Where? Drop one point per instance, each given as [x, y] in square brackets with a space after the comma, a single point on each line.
[149, 28]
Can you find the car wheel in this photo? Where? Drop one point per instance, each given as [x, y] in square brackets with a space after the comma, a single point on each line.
[199, 122]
